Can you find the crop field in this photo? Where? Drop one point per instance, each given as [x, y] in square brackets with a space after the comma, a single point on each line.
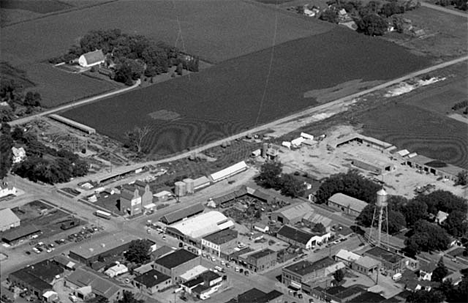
[37, 6]
[58, 87]
[233, 96]
[419, 123]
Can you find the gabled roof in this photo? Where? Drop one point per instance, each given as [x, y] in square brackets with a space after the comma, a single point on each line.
[175, 259]
[295, 211]
[202, 225]
[93, 57]
[441, 216]
[182, 213]
[8, 217]
[295, 234]
[100, 285]
[347, 201]
[222, 236]
[152, 278]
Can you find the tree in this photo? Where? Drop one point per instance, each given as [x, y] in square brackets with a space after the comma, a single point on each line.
[462, 178]
[329, 15]
[396, 220]
[138, 251]
[424, 296]
[339, 275]
[269, 176]
[32, 99]
[427, 237]
[319, 228]
[390, 8]
[456, 223]
[440, 272]
[291, 186]
[443, 200]
[415, 210]
[372, 25]
[135, 138]
[128, 297]
[448, 289]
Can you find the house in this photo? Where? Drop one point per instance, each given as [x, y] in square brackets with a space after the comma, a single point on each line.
[6, 189]
[255, 295]
[176, 263]
[441, 217]
[259, 260]
[425, 270]
[347, 257]
[152, 281]
[291, 214]
[19, 154]
[8, 219]
[100, 285]
[304, 271]
[346, 204]
[91, 59]
[300, 238]
[366, 265]
[220, 241]
[133, 199]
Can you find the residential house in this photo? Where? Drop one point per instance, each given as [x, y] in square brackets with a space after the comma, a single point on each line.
[220, 241]
[6, 189]
[346, 204]
[425, 270]
[8, 219]
[261, 227]
[259, 260]
[441, 217]
[152, 282]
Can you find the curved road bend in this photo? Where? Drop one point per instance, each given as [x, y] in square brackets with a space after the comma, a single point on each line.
[311, 111]
[71, 105]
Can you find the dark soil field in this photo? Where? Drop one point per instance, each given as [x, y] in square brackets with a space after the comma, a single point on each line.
[233, 96]
[418, 122]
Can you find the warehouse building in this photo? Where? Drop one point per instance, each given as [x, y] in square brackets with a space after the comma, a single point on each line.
[18, 234]
[346, 204]
[302, 239]
[8, 219]
[291, 214]
[435, 167]
[100, 285]
[229, 172]
[183, 213]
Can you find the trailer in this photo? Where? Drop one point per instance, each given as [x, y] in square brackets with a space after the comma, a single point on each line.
[102, 214]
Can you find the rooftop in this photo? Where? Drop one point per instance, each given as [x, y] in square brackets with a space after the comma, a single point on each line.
[261, 253]
[347, 255]
[162, 251]
[194, 272]
[20, 232]
[383, 254]
[152, 278]
[175, 259]
[368, 297]
[347, 201]
[295, 211]
[439, 165]
[100, 285]
[194, 282]
[30, 279]
[222, 236]
[228, 171]
[295, 234]
[255, 295]
[344, 292]
[8, 217]
[306, 267]
[202, 225]
[367, 262]
[93, 248]
[182, 213]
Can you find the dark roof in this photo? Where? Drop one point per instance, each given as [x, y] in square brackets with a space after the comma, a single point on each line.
[45, 270]
[240, 252]
[368, 297]
[222, 236]
[152, 278]
[175, 259]
[383, 254]
[344, 292]
[295, 234]
[31, 280]
[194, 282]
[255, 295]
[305, 267]
[209, 275]
[262, 253]
[200, 288]
[182, 213]
[20, 232]
[162, 251]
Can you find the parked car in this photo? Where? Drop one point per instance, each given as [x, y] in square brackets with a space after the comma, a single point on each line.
[27, 252]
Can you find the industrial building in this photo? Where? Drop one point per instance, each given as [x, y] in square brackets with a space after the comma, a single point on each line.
[346, 204]
[9, 219]
[74, 124]
[135, 199]
[199, 226]
[176, 263]
[368, 141]
[229, 172]
[377, 167]
[183, 213]
[291, 214]
[242, 191]
[435, 167]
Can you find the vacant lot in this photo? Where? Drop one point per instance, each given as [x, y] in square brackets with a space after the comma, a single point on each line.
[232, 96]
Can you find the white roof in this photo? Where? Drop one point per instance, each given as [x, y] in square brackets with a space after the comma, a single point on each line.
[117, 269]
[162, 194]
[347, 255]
[8, 217]
[231, 170]
[441, 215]
[412, 155]
[200, 181]
[49, 293]
[149, 206]
[193, 273]
[332, 268]
[203, 224]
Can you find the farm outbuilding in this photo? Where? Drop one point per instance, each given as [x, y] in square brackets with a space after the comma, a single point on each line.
[92, 58]
[201, 182]
[74, 124]
[228, 172]
[375, 166]
[369, 141]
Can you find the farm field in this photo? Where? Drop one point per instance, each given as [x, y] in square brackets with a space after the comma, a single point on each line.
[214, 30]
[417, 121]
[232, 96]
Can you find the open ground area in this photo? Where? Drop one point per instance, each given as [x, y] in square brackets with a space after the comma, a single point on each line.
[232, 97]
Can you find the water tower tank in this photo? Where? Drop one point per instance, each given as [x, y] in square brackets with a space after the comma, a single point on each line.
[382, 198]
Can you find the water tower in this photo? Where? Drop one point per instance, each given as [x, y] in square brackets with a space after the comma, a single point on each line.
[381, 216]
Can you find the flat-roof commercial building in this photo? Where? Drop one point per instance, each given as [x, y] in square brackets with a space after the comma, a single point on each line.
[338, 294]
[259, 260]
[300, 238]
[177, 263]
[347, 257]
[304, 271]
[346, 204]
[8, 219]
[152, 281]
[255, 295]
[18, 234]
[89, 252]
[183, 213]
[366, 265]
[391, 261]
[220, 241]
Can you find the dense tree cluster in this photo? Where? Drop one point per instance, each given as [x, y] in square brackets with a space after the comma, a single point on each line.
[18, 103]
[440, 272]
[129, 297]
[458, 4]
[138, 251]
[42, 163]
[396, 219]
[462, 177]
[271, 176]
[351, 184]
[426, 236]
[134, 55]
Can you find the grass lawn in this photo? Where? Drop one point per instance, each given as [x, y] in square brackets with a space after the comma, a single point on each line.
[231, 96]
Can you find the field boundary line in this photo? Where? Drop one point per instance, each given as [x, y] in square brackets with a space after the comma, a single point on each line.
[444, 10]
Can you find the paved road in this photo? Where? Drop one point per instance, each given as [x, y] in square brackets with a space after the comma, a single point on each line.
[445, 10]
[71, 105]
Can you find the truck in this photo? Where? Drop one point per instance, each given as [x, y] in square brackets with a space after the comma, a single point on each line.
[102, 214]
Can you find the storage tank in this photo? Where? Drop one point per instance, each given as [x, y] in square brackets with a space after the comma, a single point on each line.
[382, 198]
[264, 150]
[189, 186]
[180, 189]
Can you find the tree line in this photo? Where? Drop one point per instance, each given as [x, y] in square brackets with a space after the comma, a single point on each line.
[42, 163]
[272, 176]
[19, 104]
[132, 55]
